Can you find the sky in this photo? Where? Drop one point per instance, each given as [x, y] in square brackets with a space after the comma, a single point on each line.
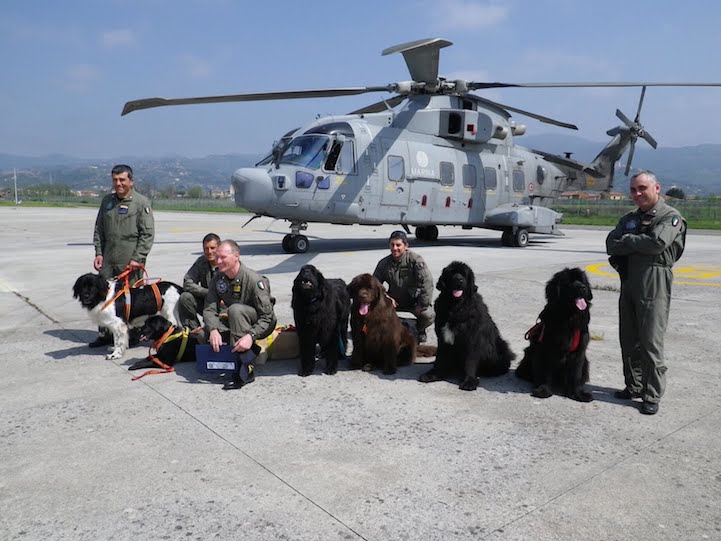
[68, 67]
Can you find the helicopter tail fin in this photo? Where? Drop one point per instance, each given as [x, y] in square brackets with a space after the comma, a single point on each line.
[602, 168]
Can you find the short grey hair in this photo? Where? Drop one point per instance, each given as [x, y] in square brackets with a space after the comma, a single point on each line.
[648, 173]
[232, 245]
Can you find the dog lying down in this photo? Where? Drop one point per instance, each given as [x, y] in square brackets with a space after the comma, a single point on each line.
[172, 344]
[96, 295]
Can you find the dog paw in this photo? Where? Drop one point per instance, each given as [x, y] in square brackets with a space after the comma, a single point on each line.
[114, 355]
[367, 367]
[542, 391]
[582, 396]
[304, 373]
[469, 384]
[428, 377]
[331, 371]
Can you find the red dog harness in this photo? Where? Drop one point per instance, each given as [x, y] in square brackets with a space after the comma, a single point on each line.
[536, 332]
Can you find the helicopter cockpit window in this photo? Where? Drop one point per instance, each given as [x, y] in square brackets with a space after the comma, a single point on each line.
[396, 168]
[491, 179]
[448, 177]
[519, 181]
[340, 158]
[469, 176]
[306, 151]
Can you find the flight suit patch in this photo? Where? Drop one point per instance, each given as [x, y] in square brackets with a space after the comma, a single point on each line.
[236, 290]
[261, 285]
[221, 286]
[631, 225]
[675, 221]
[123, 209]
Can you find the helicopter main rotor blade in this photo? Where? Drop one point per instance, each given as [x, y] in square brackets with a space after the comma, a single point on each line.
[148, 103]
[421, 57]
[650, 140]
[540, 118]
[480, 86]
[380, 106]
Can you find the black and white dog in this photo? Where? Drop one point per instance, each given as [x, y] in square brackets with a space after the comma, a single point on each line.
[95, 292]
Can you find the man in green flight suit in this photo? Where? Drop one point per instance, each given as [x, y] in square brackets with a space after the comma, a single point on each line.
[643, 248]
[246, 295]
[124, 233]
[410, 283]
[195, 283]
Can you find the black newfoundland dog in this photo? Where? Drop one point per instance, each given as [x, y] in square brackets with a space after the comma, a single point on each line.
[172, 344]
[321, 308]
[95, 292]
[468, 340]
[379, 338]
[556, 355]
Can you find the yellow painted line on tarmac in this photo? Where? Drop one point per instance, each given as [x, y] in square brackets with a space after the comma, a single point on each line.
[703, 275]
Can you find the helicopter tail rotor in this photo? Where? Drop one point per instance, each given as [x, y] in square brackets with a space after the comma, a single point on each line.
[636, 130]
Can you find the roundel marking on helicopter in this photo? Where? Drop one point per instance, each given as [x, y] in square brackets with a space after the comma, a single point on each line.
[530, 186]
[422, 158]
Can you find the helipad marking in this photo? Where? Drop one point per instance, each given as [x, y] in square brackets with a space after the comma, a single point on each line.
[703, 275]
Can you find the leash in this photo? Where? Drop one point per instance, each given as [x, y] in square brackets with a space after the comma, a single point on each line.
[167, 337]
[126, 290]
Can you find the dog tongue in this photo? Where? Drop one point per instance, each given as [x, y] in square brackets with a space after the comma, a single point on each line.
[363, 310]
[581, 304]
[457, 293]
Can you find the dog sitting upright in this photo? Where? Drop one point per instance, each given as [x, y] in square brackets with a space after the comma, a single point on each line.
[96, 295]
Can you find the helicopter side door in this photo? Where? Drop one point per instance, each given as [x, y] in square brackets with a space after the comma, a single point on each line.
[396, 189]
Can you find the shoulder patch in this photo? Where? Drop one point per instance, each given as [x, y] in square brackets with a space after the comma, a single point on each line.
[261, 285]
[147, 210]
[675, 221]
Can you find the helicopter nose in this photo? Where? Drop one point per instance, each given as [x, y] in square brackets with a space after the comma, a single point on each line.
[253, 189]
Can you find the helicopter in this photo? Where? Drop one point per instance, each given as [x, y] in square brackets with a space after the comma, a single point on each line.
[447, 157]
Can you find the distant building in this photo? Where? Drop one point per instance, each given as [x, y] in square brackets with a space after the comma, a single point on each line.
[584, 196]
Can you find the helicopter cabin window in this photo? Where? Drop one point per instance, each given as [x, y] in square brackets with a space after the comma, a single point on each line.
[448, 176]
[469, 176]
[306, 151]
[519, 181]
[396, 168]
[491, 178]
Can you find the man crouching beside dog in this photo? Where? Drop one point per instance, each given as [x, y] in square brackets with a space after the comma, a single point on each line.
[246, 295]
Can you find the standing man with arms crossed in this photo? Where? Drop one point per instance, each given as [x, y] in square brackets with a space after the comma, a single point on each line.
[196, 281]
[246, 295]
[410, 283]
[643, 248]
[124, 233]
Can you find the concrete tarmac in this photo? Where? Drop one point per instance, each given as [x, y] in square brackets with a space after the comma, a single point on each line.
[86, 453]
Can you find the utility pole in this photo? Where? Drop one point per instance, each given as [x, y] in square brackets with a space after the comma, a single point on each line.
[15, 180]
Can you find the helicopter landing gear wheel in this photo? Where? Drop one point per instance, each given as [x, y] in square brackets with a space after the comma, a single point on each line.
[427, 232]
[299, 244]
[520, 239]
[507, 238]
[286, 243]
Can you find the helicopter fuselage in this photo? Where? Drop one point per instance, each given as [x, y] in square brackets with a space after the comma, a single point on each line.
[442, 160]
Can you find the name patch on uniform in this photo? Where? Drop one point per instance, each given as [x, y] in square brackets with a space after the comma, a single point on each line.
[675, 221]
[222, 286]
[261, 285]
[123, 209]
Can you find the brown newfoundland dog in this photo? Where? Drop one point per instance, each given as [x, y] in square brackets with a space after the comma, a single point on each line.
[379, 338]
[557, 353]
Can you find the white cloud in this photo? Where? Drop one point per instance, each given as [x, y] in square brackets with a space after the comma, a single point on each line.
[468, 14]
[120, 37]
[79, 77]
[196, 67]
